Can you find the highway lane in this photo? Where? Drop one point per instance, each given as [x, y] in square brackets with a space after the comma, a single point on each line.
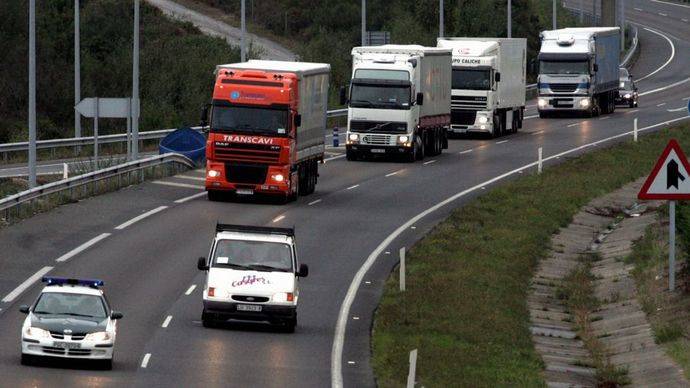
[149, 265]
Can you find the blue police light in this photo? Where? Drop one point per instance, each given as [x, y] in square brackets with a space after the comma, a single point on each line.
[52, 281]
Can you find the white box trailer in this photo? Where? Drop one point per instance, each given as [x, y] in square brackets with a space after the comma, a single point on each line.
[488, 86]
[399, 101]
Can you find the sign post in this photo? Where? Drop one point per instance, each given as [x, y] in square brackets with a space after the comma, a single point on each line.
[669, 180]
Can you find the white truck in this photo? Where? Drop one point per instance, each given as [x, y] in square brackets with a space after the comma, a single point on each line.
[252, 274]
[488, 87]
[399, 101]
[578, 70]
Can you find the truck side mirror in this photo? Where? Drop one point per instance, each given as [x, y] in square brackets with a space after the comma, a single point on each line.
[595, 67]
[204, 115]
[420, 99]
[24, 309]
[298, 120]
[497, 77]
[343, 95]
[201, 264]
[303, 271]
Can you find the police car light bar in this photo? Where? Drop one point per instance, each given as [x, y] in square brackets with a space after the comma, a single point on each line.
[52, 281]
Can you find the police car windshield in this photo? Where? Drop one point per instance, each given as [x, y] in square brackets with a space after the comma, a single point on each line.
[80, 305]
[250, 120]
[253, 255]
[465, 79]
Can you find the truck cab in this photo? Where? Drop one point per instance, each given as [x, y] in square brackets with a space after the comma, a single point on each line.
[252, 275]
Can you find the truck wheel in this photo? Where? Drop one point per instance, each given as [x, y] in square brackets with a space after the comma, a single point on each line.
[214, 195]
[351, 156]
[543, 115]
[631, 104]
[420, 149]
[411, 156]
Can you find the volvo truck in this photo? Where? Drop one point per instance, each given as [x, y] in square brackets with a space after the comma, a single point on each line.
[399, 101]
[578, 71]
[488, 84]
[266, 128]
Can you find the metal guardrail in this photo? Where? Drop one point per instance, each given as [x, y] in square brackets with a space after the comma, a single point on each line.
[631, 51]
[14, 200]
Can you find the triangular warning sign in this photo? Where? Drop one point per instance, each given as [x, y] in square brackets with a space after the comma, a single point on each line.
[670, 178]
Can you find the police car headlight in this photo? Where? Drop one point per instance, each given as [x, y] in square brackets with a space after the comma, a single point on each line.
[483, 119]
[35, 332]
[213, 173]
[584, 103]
[99, 336]
[284, 297]
[542, 102]
[626, 95]
[403, 139]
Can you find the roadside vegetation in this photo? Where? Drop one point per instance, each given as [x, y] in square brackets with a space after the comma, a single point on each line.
[667, 312]
[467, 281]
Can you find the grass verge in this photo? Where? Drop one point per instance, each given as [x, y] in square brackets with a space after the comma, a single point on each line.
[465, 305]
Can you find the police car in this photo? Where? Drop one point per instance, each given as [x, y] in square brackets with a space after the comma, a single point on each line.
[252, 275]
[70, 319]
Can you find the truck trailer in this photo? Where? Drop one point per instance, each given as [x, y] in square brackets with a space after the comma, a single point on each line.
[399, 101]
[267, 126]
[578, 70]
[488, 85]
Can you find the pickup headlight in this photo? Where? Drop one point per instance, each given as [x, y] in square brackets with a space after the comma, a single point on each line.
[99, 336]
[584, 103]
[542, 102]
[35, 332]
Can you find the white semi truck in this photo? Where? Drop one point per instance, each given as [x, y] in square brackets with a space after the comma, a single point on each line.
[578, 70]
[399, 101]
[488, 87]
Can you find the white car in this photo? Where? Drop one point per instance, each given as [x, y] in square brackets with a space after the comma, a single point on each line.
[252, 275]
[70, 319]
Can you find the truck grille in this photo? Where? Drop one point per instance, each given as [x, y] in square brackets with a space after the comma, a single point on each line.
[381, 126]
[245, 152]
[462, 117]
[375, 139]
[246, 173]
[562, 88]
[468, 102]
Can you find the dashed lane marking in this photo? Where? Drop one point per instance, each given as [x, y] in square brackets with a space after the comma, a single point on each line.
[82, 247]
[175, 184]
[140, 217]
[27, 283]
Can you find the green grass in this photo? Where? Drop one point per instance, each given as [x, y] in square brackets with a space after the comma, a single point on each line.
[11, 186]
[465, 305]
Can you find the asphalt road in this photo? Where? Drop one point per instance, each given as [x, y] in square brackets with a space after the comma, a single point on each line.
[360, 211]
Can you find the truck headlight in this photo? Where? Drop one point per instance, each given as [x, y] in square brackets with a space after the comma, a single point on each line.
[284, 297]
[483, 119]
[403, 139]
[35, 332]
[278, 177]
[627, 95]
[213, 173]
[542, 102]
[353, 137]
[584, 103]
[99, 336]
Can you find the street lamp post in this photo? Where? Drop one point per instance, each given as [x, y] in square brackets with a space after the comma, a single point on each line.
[553, 15]
[243, 48]
[364, 22]
[440, 19]
[32, 93]
[135, 84]
[77, 70]
[510, 20]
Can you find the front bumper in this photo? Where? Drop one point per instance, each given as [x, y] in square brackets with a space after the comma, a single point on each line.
[374, 150]
[564, 103]
[266, 185]
[621, 99]
[86, 350]
[269, 312]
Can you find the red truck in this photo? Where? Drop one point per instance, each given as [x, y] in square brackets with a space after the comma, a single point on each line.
[267, 127]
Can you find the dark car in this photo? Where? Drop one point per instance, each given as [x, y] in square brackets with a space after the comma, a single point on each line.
[627, 90]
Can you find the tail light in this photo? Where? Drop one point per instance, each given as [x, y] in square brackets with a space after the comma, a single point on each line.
[211, 291]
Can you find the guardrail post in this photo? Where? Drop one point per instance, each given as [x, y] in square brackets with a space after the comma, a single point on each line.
[635, 130]
[402, 269]
[411, 374]
[336, 138]
[65, 171]
[539, 165]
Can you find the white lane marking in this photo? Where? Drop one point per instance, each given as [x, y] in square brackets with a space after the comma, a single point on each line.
[538, 132]
[393, 173]
[502, 141]
[665, 87]
[140, 217]
[280, 217]
[605, 118]
[314, 202]
[686, 98]
[166, 322]
[465, 152]
[191, 197]
[145, 361]
[81, 248]
[638, 9]
[670, 3]
[673, 54]
[27, 283]
[573, 125]
[175, 184]
[344, 313]
[429, 162]
[334, 158]
[684, 19]
[530, 117]
[677, 109]
[662, 104]
[352, 187]
[192, 178]
[190, 289]
[632, 111]
[663, 14]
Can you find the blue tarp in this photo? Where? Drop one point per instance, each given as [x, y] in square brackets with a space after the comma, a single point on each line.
[185, 141]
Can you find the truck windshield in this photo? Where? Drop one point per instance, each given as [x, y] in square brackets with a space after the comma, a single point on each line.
[254, 120]
[471, 79]
[253, 255]
[382, 96]
[563, 67]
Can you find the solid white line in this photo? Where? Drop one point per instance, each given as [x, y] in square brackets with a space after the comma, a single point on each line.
[677, 109]
[314, 202]
[530, 117]
[278, 218]
[632, 111]
[167, 321]
[670, 3]
[429, 162]
[673, 54]
[192, 178]
[145, 361]
[27, 283]
[662, 104]
[538, 132]
[81, 248]
[140, 217]
[191, 197]
[392, 173]
[352, 187]
[605, 118]
[665, 87]
[662, 14]
[190, 289]
[638, 9]
[573, 125]
[341, 324]
[465, 151]
[684, 19]
[502, 141]
[175, 184]
[334, 158]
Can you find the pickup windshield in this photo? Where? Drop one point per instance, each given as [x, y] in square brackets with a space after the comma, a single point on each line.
[253, 255]
[251, 120]
[77, 305]
[563, 67]
[467, 79]
[381, 96]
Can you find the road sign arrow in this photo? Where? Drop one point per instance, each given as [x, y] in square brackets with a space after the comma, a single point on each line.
[668, 178]
[672, 174]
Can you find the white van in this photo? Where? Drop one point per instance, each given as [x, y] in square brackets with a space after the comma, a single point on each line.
[252, 275]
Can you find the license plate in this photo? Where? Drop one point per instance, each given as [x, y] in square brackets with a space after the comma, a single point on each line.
[245, 191]
[378, 151]
[248, 307]
[66, 345]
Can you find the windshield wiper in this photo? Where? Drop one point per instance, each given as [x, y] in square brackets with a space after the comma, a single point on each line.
[77, 315]
[232, 265]
[263, 267]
